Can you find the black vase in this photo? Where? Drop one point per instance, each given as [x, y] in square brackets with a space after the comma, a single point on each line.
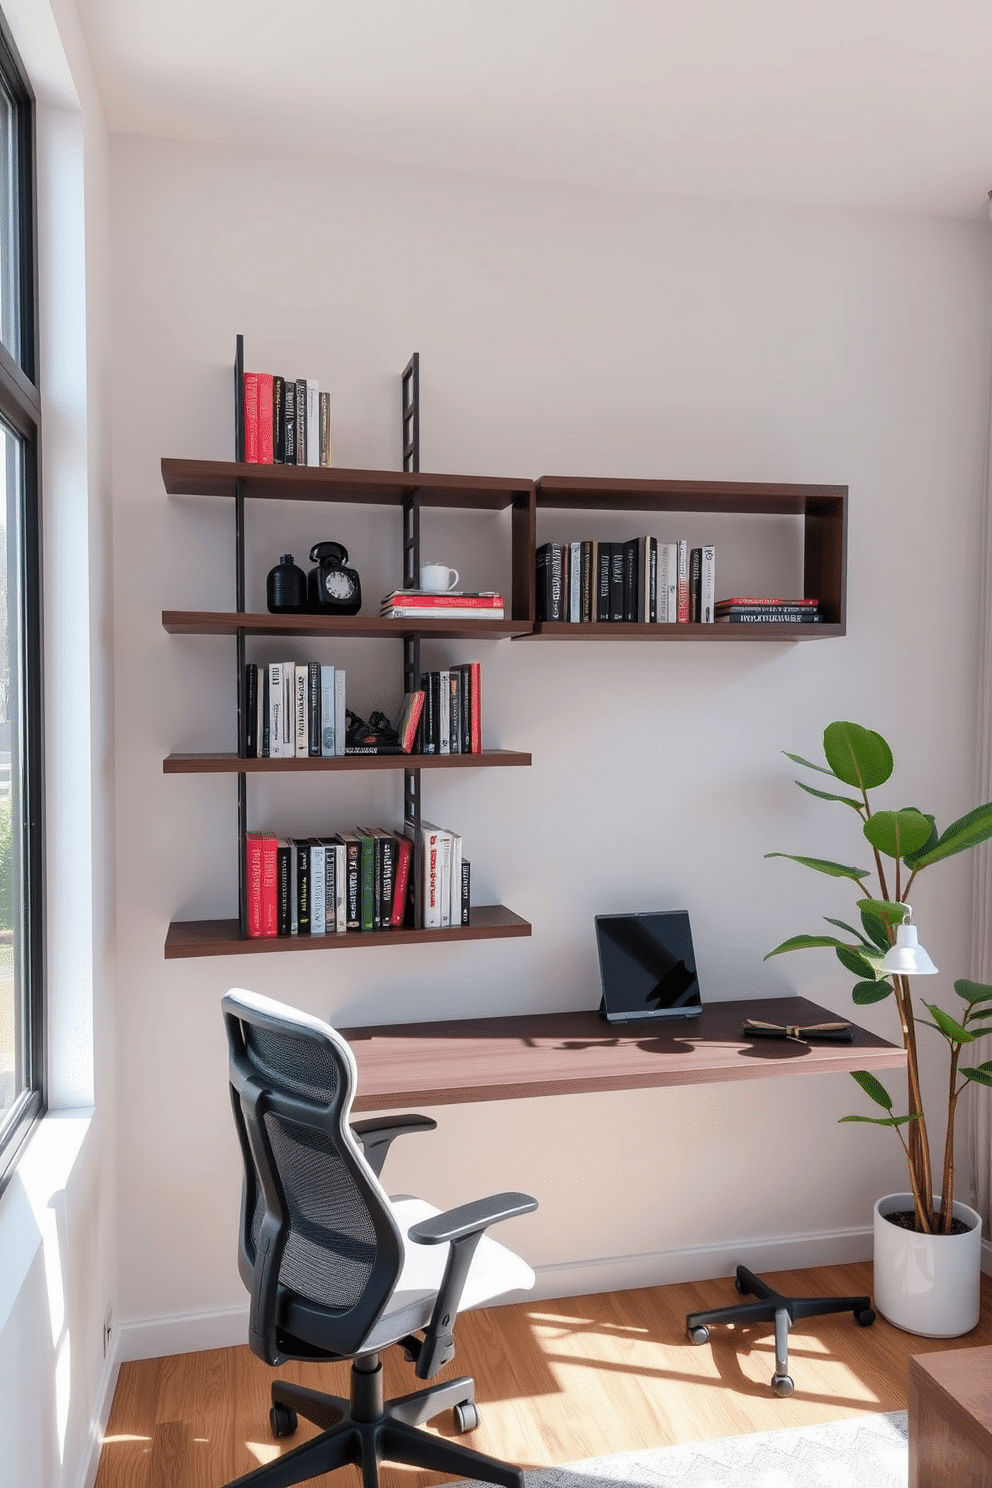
[286, 588]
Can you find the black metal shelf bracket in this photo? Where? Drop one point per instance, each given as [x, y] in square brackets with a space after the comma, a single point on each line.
[411, 413]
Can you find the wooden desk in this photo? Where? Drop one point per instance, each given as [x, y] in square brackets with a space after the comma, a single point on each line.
[486, 1059]
[950, 1418]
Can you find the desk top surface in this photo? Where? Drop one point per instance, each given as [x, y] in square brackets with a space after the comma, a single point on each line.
[484, 1059]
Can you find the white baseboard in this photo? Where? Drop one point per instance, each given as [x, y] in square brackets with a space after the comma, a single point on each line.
[90, 1464]
[183, 1333]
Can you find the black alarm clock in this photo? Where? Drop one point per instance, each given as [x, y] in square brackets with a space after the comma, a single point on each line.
[332, 589]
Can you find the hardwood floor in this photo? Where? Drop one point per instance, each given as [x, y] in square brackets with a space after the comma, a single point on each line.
[556, 1382]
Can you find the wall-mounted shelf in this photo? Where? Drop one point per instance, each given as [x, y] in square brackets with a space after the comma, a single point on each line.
[188, 938]
[340, 627]
[235, 764]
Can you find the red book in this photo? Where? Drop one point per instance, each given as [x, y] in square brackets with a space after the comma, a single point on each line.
[473, 671]
[682, 587]
[413, 706]
[270, 879]
[764, 599]
[412, 599]
[251, 417]
[401, 882]
[254, 850]
[265, 430]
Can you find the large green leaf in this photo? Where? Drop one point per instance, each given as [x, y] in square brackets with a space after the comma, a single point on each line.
[932, 839]
[866, 992]
[827, 796]
[875, 930]
[973, 992]
[967, 831]
[883, 1120]
[857, 755]
[824, 865]
[947, 1025]
[888, 911]
[897, 833]
[843, 925]
[804, 943]
[797, 759]
[856, 962]
[982, 1075]
[874, 1088]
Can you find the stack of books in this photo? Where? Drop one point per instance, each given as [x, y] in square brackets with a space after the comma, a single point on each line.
[451, 720]
[748, 609]
[295, 709]
[464, 604]
[287, 420]
[640, 581]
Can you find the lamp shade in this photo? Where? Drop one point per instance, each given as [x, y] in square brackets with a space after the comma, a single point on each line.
[907, 957]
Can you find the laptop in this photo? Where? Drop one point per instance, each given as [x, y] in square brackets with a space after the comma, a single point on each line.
[648, 967]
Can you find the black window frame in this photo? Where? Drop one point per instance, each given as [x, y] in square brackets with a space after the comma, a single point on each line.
[20, 410]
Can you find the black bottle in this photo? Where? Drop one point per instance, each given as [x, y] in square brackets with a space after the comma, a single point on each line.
[286, 587]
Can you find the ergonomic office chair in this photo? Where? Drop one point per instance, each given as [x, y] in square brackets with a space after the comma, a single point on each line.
[771, 1306]
[337, 1270]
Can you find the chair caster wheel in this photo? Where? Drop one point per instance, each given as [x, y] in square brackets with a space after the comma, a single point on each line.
[865, 1317]
[700, 1334]
[466, 1416]
[782, 1384]
[283, 1420]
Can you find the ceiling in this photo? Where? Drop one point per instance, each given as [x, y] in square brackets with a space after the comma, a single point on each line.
[880, 104]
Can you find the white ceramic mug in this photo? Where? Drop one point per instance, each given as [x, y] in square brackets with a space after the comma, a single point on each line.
[437, 578]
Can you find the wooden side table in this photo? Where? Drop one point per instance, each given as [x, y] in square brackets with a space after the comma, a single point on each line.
[950, 1418]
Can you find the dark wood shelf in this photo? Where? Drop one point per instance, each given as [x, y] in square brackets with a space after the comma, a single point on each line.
[359, 627]
[484, 1059]
[317, 483]
[189, 938]
[559, 630]
[233, 764]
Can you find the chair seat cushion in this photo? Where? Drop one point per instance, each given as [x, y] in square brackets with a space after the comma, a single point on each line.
[494, 1272]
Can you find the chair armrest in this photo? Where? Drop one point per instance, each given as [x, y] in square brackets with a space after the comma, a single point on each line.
[462, 1229]
[376, 1134]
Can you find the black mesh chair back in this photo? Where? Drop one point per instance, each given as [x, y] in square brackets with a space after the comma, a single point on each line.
[319, 1249]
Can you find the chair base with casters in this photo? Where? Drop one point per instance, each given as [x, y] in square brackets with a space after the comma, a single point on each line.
[366, 1430]
[783, 1311]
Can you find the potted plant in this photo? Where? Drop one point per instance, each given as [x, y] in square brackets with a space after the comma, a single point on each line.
[927, 1246]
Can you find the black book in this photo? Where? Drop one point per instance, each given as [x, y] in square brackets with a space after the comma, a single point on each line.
[282, 888]
[605, 558]
[653, 582]
[616, 581]
[454, 711]
[289, 422]
[557, 582]
[428, 741]
[313, 709]
[264, 713]
[302, 851]
[435, 712]
[251, 710]
[631, 585]
[386, 843]
[278, 421]
[466, 892]
[301, 421]
[695, 584]
[543, 597]
[588, 585]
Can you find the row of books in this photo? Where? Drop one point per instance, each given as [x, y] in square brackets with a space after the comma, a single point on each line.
[451, 721]
[295, 710]
[462, 604]
[750, 609]
[358, 879]
[637, 581]
[287, 420]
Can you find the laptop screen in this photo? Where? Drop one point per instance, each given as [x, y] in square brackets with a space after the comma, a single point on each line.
[648, 966]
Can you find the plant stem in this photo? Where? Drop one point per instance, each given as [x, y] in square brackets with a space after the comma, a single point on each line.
[920, 1171]
[947, 1181]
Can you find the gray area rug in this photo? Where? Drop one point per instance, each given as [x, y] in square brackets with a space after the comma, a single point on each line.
[862, 1452]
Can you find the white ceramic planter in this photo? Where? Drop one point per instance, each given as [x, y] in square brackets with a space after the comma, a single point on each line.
[927, 1284]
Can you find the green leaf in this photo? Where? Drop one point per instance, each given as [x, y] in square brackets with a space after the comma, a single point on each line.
[973, 992]
[823, 865]
[889, 912]
[827, 796]
[882, 1120]
[804, 943]
[857, 755]
[875, 930]
[797, 759]
[948, 1027]
[843, 925]
[967, 831]
[873, 1087]
[982, 1075]
[897, 833]
[931, 839]
[856, 963]
[866, 992]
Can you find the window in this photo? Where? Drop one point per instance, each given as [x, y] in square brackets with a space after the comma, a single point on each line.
[22, 1025]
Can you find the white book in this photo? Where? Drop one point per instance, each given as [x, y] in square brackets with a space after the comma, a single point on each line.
[444, 714]
[340, 887]
[456, 878]
[430, 837]
[327, 712]
[339, 711]
[288, 709]
[275, 710]
[666, 582]
[575, 582]
[707, 588]
[294, 907]
[445, 891]
[301, 713]
[318, 910]
[313, 422]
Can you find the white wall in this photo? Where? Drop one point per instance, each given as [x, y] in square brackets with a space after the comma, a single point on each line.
[58, 1214]
[559, 332]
